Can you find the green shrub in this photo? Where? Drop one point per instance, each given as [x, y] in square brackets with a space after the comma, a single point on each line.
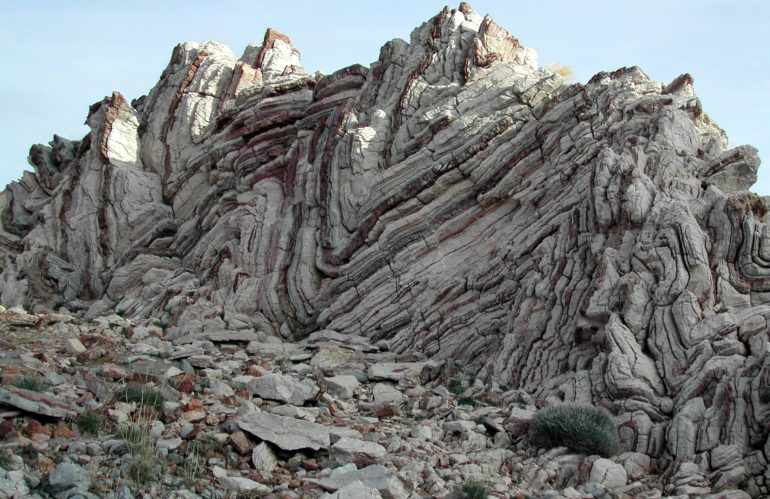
[583, 429]
[91, 422]
[29, 382]
[475, 490]
[141, 446]
[142, 468]
[145, 397]
[137, 437]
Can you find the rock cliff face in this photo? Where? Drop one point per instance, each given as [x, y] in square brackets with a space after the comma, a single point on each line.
[582, 242]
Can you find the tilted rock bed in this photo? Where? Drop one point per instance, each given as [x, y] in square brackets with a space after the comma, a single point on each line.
[590, 242]
[284, 420]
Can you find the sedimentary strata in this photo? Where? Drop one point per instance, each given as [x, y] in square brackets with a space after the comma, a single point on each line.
[581, 242]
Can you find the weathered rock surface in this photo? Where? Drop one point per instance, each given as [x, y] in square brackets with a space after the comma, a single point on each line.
[283, 388]
[286, 432]
[377, 477]
[194, 446]
[611, 475]
[575, 242]
[67, 476]
[362, 453]
[34, 402]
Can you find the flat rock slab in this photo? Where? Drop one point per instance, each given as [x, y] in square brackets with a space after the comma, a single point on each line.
[394, 371]
[386, 481]
[327, 337]
[67, 476]
[34, 402]
[276, 349]
[286, 433]
[342, 386]
[282, 388]
[237, 336]
[385, 393]
[355, 490]
[361, 452]
[237, 483]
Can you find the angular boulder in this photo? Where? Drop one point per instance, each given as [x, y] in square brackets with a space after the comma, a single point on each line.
[285, 432]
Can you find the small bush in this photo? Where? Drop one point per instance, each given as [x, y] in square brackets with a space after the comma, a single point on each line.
[583, 429]
[145, 397]
[191, 469]
[91, 422]
[141, 446]
[475, 490]
[142, 468]
[29, 382]
[137, 437]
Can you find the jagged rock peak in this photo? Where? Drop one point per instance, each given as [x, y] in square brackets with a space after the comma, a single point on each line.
[579, 242]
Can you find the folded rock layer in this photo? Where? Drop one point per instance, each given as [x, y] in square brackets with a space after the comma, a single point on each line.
[583, 242]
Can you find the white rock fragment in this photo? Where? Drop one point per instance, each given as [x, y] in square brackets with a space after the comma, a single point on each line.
[610, 474]
[342, 386]
[73, 346]
[263, 458]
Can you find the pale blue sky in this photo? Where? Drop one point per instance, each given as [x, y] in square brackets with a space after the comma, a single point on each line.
[60, 57]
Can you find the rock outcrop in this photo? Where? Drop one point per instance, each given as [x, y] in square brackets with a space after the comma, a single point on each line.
[581, 242]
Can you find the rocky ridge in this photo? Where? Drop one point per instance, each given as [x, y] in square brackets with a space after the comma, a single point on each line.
[572, 242]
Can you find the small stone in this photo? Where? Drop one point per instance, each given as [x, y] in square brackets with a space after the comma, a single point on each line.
[385, 393]
[241, 484]
[282, 388]
[636, 464]
[458, 426]
[241, 443]
[264, 458]
[354, 490]
[342, 386]
[389, 484]
[394, 371]
[13, 484]
[54, 379]
[73, 346]
[67, 476]
[306, 413]
[610, 474]
[386, 410]
[338, 432]
[360, 452]
[237, 483]
[517, 423]
[193, 416]
[421, 432]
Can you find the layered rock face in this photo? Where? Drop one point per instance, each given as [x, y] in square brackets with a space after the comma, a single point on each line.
[582, 242]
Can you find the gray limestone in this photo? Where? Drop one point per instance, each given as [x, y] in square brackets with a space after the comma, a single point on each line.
[285, 432]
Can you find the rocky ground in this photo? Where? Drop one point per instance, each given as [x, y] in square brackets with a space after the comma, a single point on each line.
[115, 409]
